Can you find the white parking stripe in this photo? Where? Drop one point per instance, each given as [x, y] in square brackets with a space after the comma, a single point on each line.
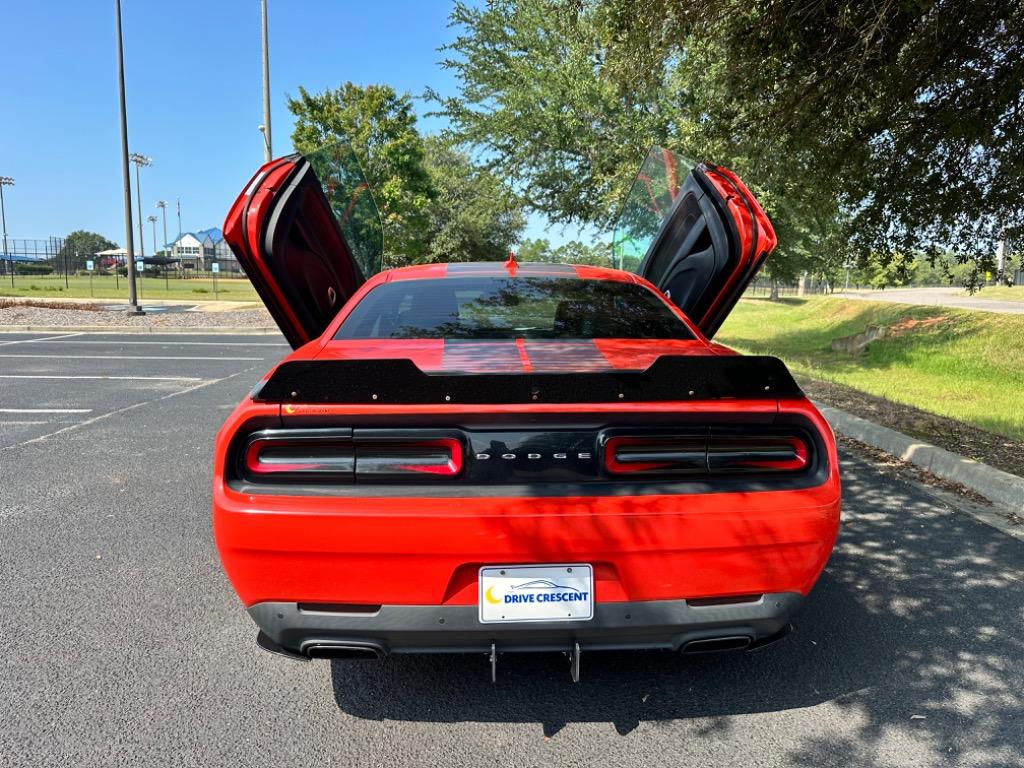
[131, 357]
[102, 416]
[112, 378]
[45, 410]
[22, 423]
[36, 341]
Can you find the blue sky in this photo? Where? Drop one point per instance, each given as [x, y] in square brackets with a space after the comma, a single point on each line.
[194, 95]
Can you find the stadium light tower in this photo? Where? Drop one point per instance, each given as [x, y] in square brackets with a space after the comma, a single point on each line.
[6, 181]
[140, 161]
[152, 220]
[162, 205]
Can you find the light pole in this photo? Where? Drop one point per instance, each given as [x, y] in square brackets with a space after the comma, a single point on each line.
[267, 144]
[133, 303]
[179, 218]
[152, 220]
[140, 161]
[6, 181]
[162, 205]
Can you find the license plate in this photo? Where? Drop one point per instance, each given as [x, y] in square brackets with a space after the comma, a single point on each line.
[515, 593]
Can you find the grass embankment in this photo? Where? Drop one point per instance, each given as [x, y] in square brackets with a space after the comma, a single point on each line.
[1001, 293]
[964, 365]
[106, 287]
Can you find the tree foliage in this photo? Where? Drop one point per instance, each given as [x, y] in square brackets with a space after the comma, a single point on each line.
[380, 126]
[571, 252]
[435, 204]
[878, 128]
[472, 215]
[82, 245]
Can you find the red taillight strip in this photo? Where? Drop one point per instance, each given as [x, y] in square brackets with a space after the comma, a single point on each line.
[727, 453]
[684, 453]
[349, 460]
[714, 455]
[259, 465]
[449, 468]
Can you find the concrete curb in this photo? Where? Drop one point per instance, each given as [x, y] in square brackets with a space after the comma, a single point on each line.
[171, 329]
[1000, 487]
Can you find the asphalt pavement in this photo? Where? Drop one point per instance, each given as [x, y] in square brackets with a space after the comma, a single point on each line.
[123, 643]
[954, 298]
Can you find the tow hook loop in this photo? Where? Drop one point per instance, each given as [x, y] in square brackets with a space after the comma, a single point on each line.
[574, 663]
[494, 664]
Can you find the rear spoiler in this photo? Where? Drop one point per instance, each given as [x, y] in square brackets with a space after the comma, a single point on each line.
[670, 378]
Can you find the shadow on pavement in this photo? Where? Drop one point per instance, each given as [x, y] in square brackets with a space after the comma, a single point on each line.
[919, 613]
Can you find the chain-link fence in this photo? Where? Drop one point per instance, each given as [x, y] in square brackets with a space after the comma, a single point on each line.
[52, 268]
[39, 256]
[762, 286]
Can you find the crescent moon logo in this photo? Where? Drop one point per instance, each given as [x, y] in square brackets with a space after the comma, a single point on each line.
[490, 597]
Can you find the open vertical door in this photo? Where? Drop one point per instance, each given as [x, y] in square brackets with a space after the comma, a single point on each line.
[307, 233]
[696, 232]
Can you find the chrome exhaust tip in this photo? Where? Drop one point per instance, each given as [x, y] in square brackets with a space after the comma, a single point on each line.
[344, 651]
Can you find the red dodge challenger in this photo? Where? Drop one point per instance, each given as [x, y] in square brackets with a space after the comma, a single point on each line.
[495, 457]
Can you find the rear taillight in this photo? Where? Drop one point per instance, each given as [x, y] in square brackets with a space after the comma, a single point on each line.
[708, 454]
[344, 456]
[740, 453]
[265, 457]
[656, 455]
[408, 459]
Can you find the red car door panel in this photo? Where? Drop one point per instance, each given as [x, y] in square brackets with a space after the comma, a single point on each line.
[307, 243]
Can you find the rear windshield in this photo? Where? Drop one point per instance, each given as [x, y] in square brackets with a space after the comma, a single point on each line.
[509, 308]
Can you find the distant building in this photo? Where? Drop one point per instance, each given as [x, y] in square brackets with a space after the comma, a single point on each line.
[188, 251]
[199, 250]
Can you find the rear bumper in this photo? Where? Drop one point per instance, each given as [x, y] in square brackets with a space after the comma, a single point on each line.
[653, 624]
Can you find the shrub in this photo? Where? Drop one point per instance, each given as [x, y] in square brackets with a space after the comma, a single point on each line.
[33, 269]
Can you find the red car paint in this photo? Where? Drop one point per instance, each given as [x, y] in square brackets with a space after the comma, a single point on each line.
[375, 548]
[428, 550]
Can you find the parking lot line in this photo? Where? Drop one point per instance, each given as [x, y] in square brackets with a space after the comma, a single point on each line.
[112, 378]
[164, 343]
[45, 410]
[131, 357]
[125, 409]
[36, 341]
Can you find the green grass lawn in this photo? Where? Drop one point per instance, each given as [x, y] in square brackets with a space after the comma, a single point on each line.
[1001, 293]
[965, 365]
[105, 287]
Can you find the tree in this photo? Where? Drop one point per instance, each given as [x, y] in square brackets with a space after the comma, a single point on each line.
[80, 246]
[435, 204]
[571, 252]
[897, 125]
[380, 126]
[538, 100]
[575, 252]
[473, 215]
[908, 112]
[533, 250]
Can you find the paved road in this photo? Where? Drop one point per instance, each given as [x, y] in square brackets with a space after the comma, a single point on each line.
[124, 645]
[941, 297]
